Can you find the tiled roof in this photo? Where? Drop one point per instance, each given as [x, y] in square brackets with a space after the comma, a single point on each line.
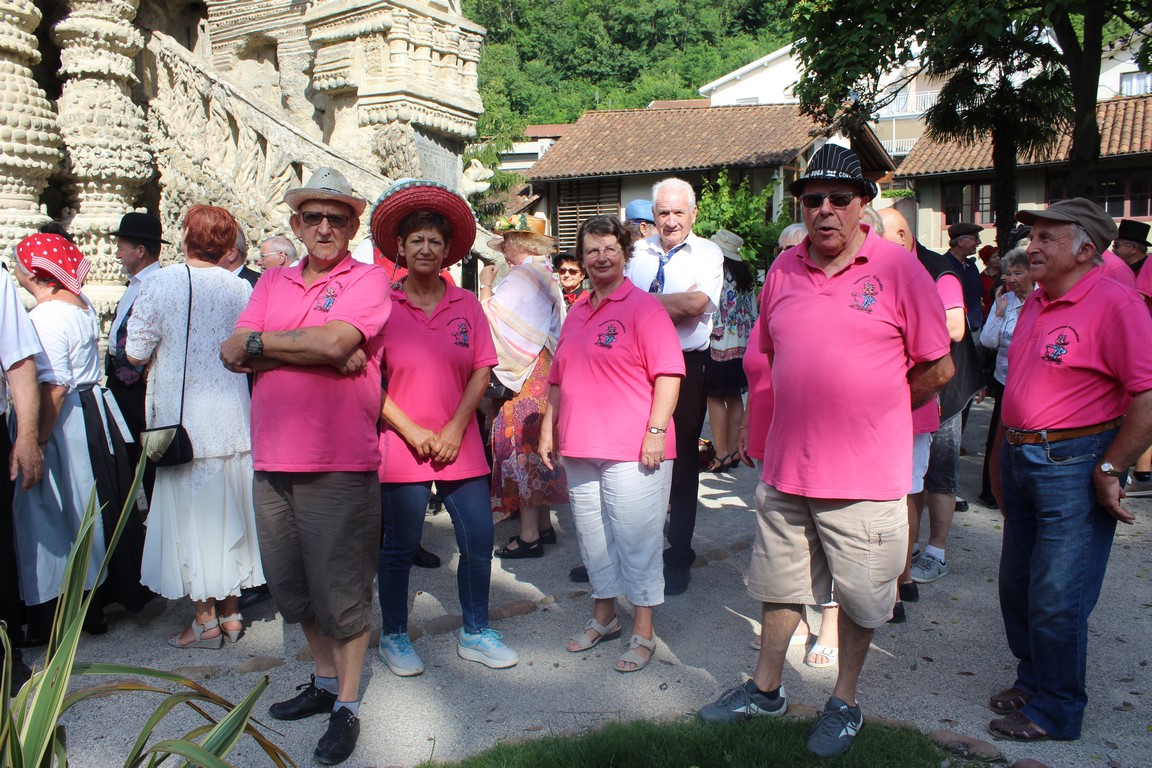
[546, 130]
[637, 141]
[1125, 129]
[676, 103]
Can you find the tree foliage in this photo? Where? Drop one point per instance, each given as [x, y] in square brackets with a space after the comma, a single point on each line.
[723, 205]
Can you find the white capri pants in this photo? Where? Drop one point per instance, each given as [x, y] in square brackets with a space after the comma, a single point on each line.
[619, 509]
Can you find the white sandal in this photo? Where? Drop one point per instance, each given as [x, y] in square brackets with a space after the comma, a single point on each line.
[630, 656]
[603, 632]
[822, 650]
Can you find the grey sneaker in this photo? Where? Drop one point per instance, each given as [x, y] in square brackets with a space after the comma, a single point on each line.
[1137, 488]
[928, 568]
[397, 652]
[486, 647]
[743, 703]
[835, 728]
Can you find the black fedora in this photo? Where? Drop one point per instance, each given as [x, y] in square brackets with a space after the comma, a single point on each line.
[140, 226]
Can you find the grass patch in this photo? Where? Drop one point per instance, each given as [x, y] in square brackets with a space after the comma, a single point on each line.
[692, 744]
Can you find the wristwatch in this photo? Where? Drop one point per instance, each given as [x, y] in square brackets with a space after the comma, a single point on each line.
[1107, 468]
[656, 431]
[254, 346]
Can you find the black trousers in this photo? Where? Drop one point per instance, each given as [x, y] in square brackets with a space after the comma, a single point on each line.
[689, 420]
[11, 608]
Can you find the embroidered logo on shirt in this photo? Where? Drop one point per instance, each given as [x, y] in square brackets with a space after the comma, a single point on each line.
[325, 302]
[461, 336]
[1059, 348]
[609, 336]
[865, 298]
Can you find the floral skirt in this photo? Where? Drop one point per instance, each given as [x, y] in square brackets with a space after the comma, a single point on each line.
[519, 478]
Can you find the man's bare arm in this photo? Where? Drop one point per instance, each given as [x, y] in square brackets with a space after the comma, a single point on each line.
[926, 379]
[26, 460]
[682, 306]
[329, 344]
[1133, 439]
[956, 323]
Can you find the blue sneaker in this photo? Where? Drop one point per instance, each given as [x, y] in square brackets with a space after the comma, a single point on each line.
[835, 728]
[486, 647]
[397, 652]
[743, 703]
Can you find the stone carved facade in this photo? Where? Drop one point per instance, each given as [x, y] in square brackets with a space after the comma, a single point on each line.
[157, 108]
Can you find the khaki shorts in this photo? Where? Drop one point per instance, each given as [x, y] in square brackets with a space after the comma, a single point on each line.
[320, 545]
[804, 544]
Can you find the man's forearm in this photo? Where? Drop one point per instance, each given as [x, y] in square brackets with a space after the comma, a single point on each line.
[926, 379]
[318, 345]
[25, 396]
[1135, 433]
[682, 306]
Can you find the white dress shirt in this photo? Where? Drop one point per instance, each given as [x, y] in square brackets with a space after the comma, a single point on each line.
[697, 266]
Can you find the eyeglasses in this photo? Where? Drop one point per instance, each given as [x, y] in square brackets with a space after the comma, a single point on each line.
[335, 220]
[568, 271]
[839, 200]
[609, 251]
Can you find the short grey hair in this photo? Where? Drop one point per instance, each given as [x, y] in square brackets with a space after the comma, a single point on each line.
[1079, 237]
[791, 235]
[1017, 257]
[241, 241]
[871, 216]
[674, 185]
[283, 245]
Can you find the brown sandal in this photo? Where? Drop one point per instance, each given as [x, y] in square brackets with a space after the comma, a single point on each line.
[1016, 727]
[1008, 701]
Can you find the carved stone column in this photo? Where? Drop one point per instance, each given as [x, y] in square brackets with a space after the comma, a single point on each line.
[106, 159]
[29, 138]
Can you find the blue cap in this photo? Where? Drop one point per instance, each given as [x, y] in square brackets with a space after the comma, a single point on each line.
[639, 210]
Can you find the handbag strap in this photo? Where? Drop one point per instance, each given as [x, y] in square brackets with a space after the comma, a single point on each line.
[187, 334]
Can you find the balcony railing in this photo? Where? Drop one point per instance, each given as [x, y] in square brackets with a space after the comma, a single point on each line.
[910, 104]
[898, 147]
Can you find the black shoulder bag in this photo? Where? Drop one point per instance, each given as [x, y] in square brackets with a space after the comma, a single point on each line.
[170, 446]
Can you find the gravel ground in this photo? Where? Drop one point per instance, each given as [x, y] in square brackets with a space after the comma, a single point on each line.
[936, 670]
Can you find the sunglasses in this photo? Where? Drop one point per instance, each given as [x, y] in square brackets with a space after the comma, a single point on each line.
[839, 200]
[335, 220]
[568, 271]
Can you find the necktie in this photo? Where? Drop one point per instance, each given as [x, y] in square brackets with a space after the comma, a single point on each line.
[657, 285]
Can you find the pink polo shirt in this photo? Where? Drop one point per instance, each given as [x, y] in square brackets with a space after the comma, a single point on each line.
[1118, 269]
[760, 398]
[926, 418]
[606, 365]
[427, 364]
[310, 418]
[841, 348]
[1144, 281]
[1076, 361]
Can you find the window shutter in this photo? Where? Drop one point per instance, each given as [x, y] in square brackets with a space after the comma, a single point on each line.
[580, 198]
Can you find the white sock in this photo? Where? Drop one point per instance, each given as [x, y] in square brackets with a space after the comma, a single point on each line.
[330, 684]
[351, 706]
[936, 552]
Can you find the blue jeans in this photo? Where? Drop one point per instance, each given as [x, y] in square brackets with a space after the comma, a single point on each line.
[402, 508]
[1056, 545]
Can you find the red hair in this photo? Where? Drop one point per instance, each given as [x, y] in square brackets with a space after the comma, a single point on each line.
[209, 233]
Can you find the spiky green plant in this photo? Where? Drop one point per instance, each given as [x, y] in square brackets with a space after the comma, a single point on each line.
[31, 735]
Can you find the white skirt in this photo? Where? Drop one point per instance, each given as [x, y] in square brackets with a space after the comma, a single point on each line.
[201, 531]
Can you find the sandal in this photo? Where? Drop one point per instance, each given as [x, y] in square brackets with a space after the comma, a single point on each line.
[547, 536]
[522, 549]
[1016, 727]
[1008, 701]
[607, 631]
[234, 635]
[631, 656]
[198, 639]
[826, 651]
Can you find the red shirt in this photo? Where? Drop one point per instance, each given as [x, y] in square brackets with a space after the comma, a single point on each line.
[1077, 360]
[841, 349]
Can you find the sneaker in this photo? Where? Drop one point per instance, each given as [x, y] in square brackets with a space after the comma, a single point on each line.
[834, 729]
[397, 652]
[339, 741]
[743, 703]
[928, 568]
[486, 647]
[909, 593]
[313, 701]
[676, 579]
[579, 574]
[899, 616]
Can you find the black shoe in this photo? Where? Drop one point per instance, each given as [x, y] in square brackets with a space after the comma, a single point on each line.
[676, 579]
[988, 500]
[20, 671]
[339, 741]
[578, 574]
[523, 549]
[961, 505]
[898, 615]
[313, 701]
[252, 595]
[425, 559]
[910, 592]
[548, 536]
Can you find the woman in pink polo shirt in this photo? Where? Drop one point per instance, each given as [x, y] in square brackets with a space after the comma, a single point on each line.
[437, 357]
[613, 388]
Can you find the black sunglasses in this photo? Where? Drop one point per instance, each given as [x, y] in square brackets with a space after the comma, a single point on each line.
[335, 220]
[837, 199]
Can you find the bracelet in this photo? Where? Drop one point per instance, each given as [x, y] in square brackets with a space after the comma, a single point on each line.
[656, 431]
[482, 286]
[743, 427]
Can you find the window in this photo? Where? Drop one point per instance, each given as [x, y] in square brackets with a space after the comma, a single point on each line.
[1122, 195]
[970, 201]
[1136, 83]
[576, 200]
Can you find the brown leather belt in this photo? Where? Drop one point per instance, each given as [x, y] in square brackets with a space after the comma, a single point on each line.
[1035, 436]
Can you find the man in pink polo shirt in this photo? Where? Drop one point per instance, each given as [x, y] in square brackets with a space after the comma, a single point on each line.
[855, 333]
[313, 335]
[1077, 412]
